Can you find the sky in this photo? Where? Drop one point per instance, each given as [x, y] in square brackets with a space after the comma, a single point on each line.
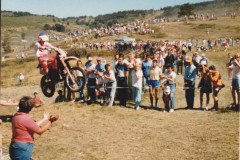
[75, 8]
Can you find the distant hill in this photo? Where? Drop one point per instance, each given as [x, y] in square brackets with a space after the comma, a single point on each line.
[17, 23]
[216, 7]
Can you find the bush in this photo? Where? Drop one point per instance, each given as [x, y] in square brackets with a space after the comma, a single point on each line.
[159, 35]
[76, 52]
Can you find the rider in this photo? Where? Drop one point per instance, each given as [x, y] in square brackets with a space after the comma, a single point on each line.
[42, 49]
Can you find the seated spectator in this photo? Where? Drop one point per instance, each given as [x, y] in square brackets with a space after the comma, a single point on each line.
[60, 97]
[37, 99]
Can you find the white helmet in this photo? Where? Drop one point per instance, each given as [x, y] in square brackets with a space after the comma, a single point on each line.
[42, 36]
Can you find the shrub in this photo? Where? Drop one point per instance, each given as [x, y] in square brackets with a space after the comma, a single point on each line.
[77, 52]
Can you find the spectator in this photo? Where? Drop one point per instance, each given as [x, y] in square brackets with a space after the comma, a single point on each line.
[80, 76]
[100, 68]
[146, 65]
[189, 83]
[235, 65]
[37, 99]
[21, 79]
[203, 60]
[217, 85]
[161, 61]
[110, 83]
[60, 97]
[155, 73]
[137, 75]
[230, 69]
[91, 83]
[23, 128]
[205, 85]
[170, 77]
[196, 59]
[179, 63]
[169, 59]
[122, 76]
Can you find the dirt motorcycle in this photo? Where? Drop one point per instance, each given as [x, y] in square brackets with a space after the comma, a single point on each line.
[74, 77]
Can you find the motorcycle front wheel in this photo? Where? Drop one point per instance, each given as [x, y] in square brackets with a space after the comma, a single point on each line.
[76, 80]
[47, 86]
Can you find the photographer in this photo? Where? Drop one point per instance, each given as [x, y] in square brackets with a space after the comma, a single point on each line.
[235, 65]
[205, 85]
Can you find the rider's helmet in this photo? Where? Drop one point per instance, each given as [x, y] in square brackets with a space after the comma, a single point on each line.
[42, 36]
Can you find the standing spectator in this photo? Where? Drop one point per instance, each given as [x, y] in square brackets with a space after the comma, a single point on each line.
[169, 59]
[203, 60]
[235, 65]
[21, 79]
[196, 59]
[189, 45]
[37, 99]
[189, 83]
[100, 68]
[23, 128]
[79, 74]
[217, 85]
[146, 65]
[110, 83]
[170, 77]
[230, 69]
[155, 74]
[179, 63]
[137, 75]
[205, 85]
[91, 83]
[131, 62]
[122, 81]
[161, 61]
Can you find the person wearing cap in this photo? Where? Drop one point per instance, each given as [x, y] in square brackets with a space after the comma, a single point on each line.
[37, 99]
[42, 49]
[91, 81]
[99, 69]
[189, 82]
